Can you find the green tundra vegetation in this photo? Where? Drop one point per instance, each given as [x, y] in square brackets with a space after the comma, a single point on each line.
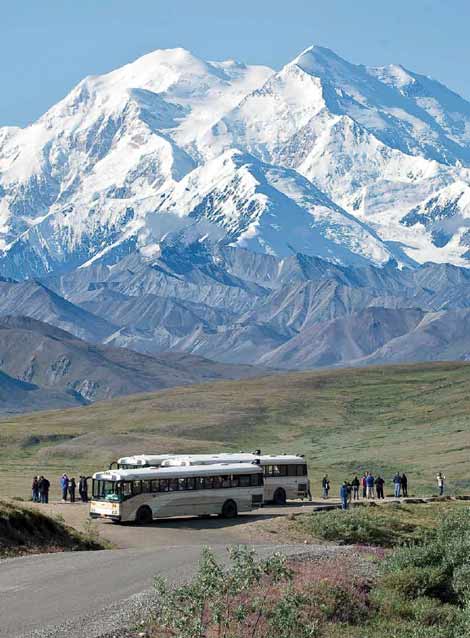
[418, 589]
[412, 418]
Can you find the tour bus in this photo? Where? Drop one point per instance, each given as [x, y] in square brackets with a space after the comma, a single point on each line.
[143, 494]
[285, 475]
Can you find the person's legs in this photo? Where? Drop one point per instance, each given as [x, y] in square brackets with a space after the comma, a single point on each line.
[344, 503]
[441, 490]
[64, 494]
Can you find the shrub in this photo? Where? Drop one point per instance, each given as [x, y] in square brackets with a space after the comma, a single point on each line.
[360, 526]
[418, 581]
[238, 601]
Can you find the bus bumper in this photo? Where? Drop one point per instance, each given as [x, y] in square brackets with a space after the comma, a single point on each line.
[111, 517]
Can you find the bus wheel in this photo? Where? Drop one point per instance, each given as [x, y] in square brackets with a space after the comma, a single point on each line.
[279, 497]
[229, 510]
[144, 515]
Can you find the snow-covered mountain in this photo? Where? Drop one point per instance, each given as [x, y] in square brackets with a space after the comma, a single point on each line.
[326, 158]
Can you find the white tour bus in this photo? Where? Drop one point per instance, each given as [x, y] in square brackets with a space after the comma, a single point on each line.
[144, 494]
[285, 475]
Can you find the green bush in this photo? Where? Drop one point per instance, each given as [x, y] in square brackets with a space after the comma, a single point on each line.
[418, 581]
[360, 526]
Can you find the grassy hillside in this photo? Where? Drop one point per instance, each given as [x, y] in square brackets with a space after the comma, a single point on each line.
[24, 530]
[411, 418]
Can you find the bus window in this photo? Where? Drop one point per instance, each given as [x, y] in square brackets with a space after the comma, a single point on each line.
[173, 485]
[244, 480]
[146, 486]
[234, 481]
[163, 485]
[136, 487]
[190, 483]
[182, 484]
[226, 481]
[155, 486]
[217, 482]
[125, 489]
[208, 482]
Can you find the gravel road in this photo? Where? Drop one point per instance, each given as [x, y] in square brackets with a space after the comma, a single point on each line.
[89, 594]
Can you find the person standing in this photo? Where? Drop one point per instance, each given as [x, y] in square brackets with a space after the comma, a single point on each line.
[364, 484]
[343, 494]
[379, 485]
[83, 489]
[397, 483]
[404, 485]
[370, 482]
[325, 486]
[44, 486]
[440, 483]
[355, 485]
[64, 486]
[35, 490]
[72, 486]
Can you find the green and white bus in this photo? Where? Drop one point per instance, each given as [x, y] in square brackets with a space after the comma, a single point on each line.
[142, 495]
[285, 475]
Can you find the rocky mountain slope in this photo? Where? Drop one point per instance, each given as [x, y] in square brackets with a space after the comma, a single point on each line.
[313, 216]
[46, 367]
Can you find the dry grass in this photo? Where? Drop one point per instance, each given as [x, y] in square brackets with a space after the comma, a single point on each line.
[411, 418]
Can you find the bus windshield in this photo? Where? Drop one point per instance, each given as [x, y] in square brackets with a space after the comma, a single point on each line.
[111, 490]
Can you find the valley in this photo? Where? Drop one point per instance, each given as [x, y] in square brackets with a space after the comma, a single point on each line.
[411, 418]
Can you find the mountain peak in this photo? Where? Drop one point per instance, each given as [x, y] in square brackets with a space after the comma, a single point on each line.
[317, 59]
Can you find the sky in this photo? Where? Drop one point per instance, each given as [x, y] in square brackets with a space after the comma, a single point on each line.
[48, 46]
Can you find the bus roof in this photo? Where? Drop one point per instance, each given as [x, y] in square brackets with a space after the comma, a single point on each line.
[225, 457]
[149, 473]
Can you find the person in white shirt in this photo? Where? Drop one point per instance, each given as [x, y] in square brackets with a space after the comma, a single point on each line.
[440, 483]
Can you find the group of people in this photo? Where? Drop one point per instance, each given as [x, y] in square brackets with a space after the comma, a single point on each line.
[40, 489]
[68, 487]
[369, 485]
[372, 487]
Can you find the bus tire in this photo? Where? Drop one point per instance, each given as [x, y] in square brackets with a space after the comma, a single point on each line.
[229, 509]
[279, 497]
[144, 515]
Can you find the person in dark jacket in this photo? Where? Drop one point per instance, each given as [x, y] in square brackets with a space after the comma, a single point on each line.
[364, 485]
[379, 486]
[44, 486]
[83, 488]
[325, 486]
[35, 490]
[404, 484]
[344, 495]
[72, 486]
[64, 486]
[355, 486]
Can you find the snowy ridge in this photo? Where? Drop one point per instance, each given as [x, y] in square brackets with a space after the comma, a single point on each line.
[341, 161]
